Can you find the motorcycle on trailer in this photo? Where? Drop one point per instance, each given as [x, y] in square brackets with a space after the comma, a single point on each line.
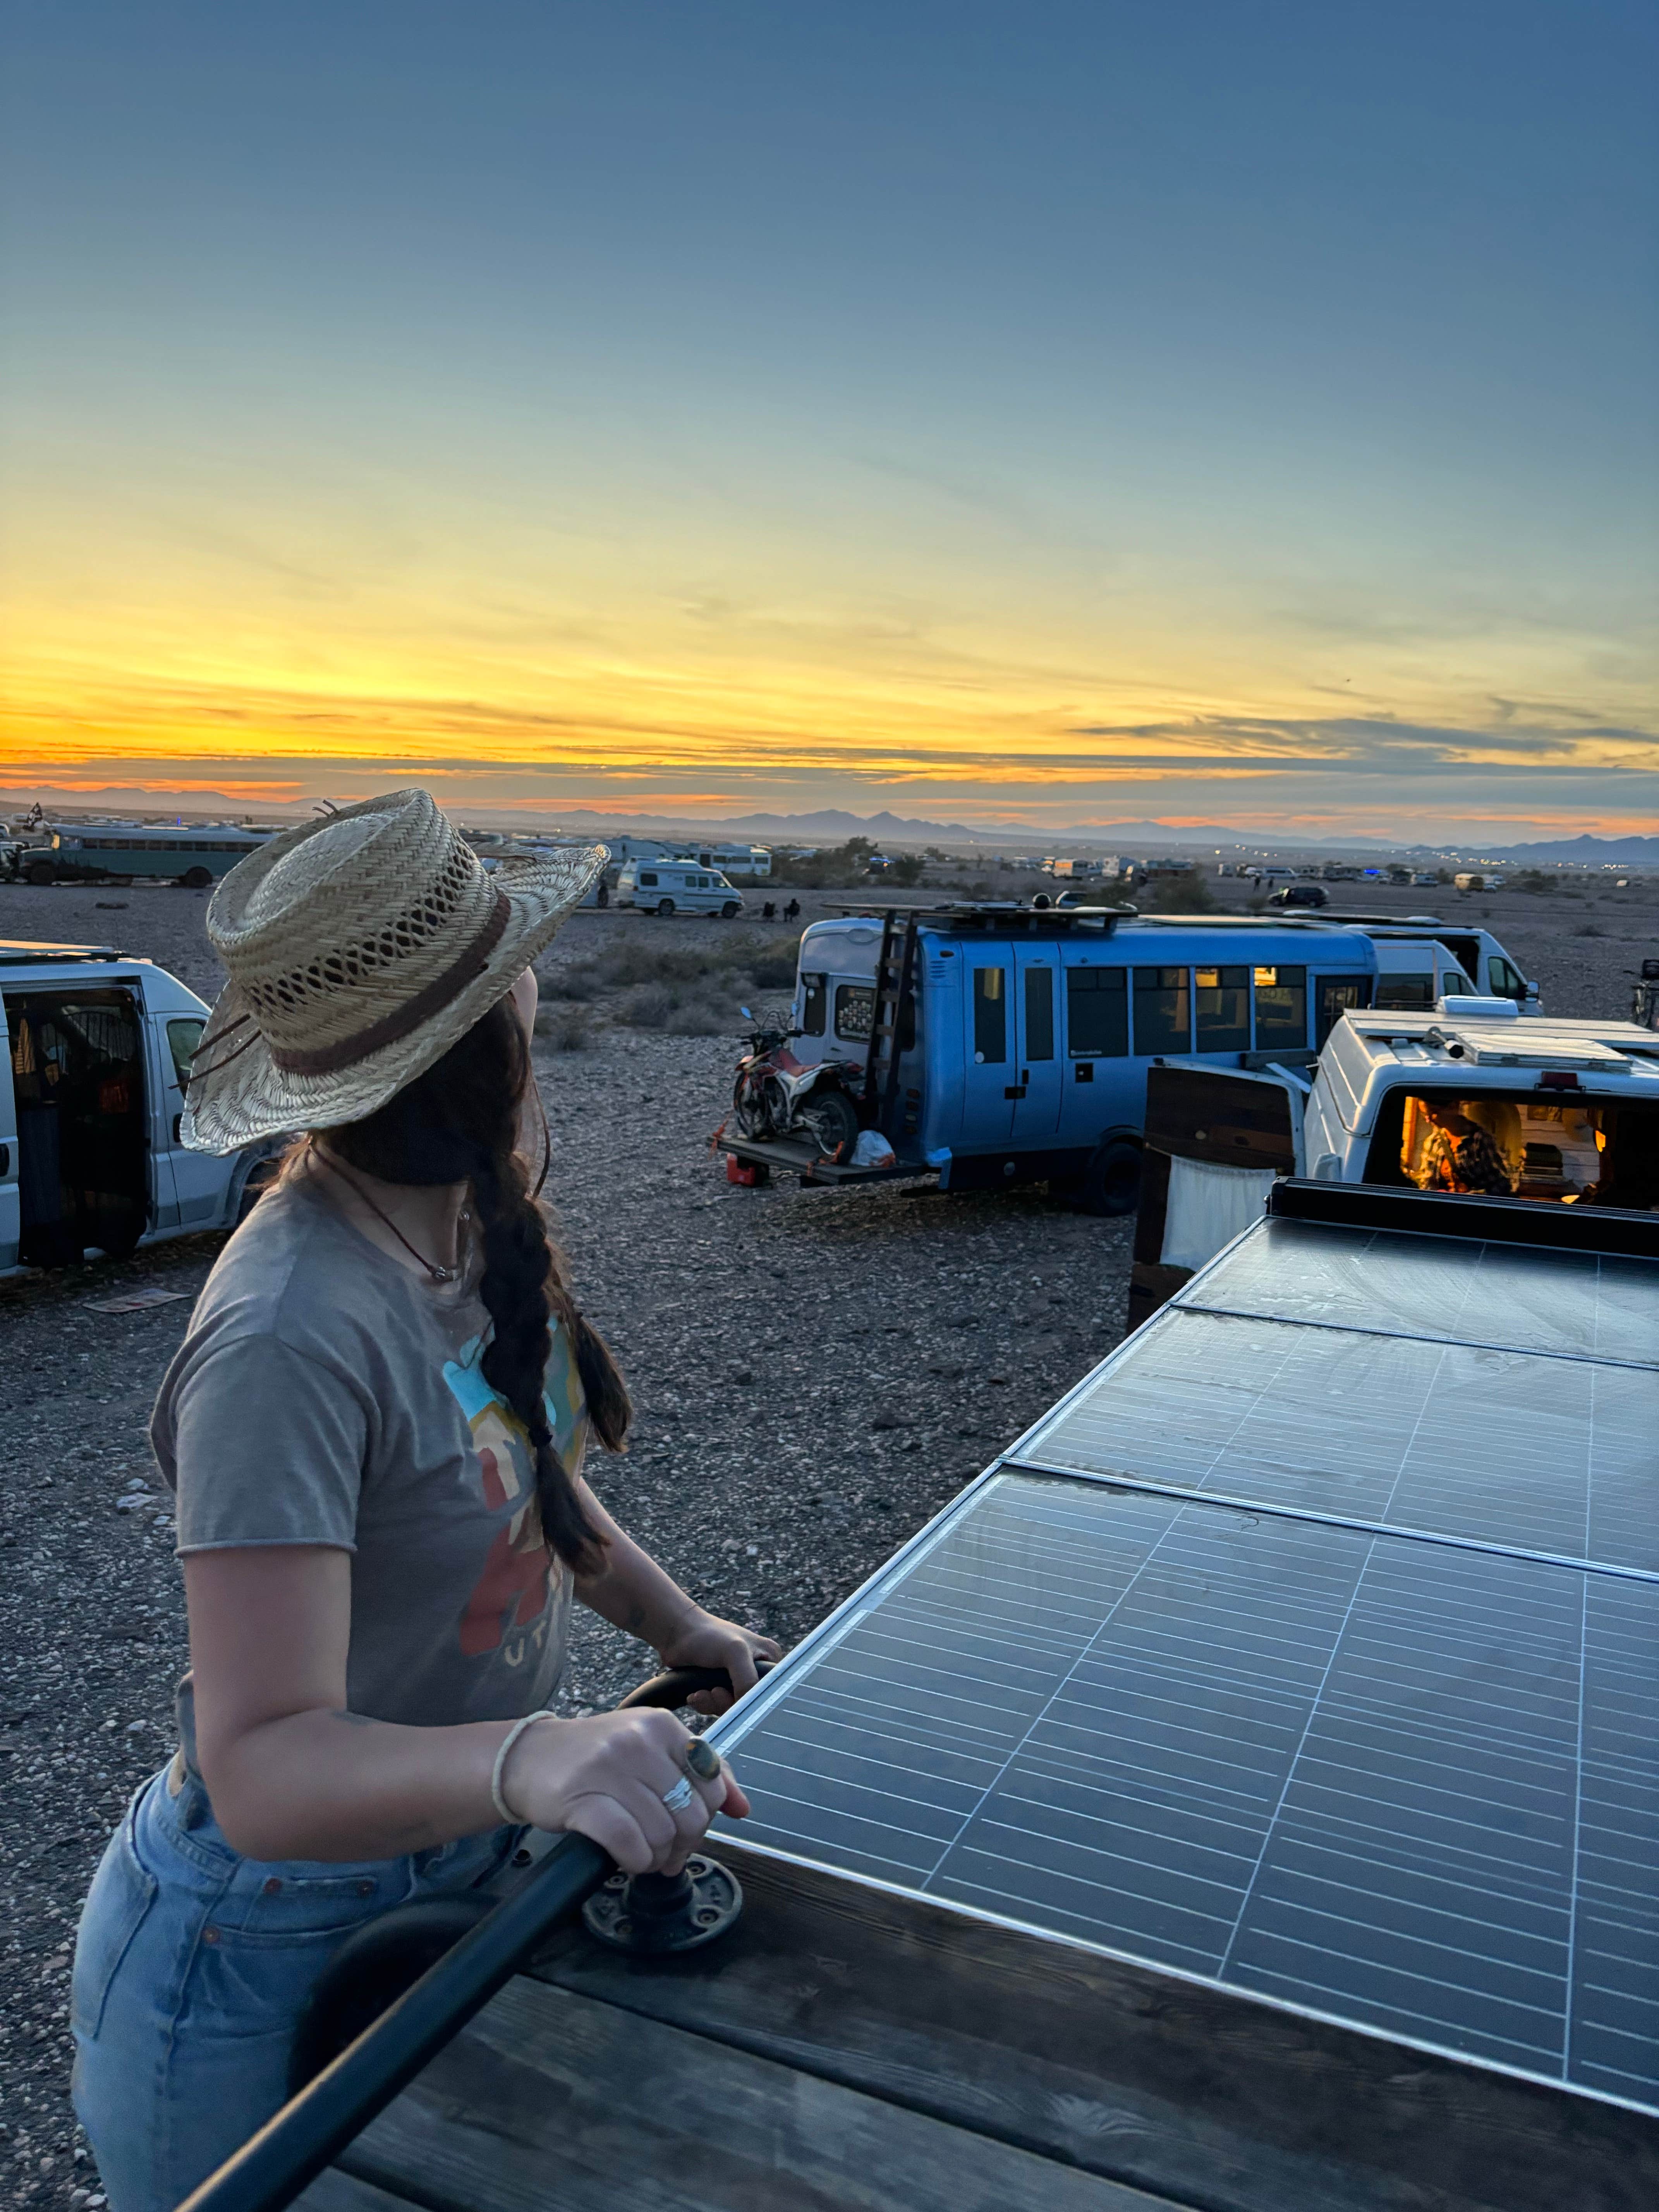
[774, 1095]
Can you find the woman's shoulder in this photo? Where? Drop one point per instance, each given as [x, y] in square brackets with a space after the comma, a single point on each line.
[285, 1273]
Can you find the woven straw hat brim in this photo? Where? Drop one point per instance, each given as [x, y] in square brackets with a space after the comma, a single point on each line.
[249, 1097]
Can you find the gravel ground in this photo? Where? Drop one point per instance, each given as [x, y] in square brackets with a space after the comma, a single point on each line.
[816, 1372]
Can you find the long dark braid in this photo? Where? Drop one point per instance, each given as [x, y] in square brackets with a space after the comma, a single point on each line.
[460, 1121]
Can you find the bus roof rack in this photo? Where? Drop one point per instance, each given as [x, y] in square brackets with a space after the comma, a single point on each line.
[988, 915]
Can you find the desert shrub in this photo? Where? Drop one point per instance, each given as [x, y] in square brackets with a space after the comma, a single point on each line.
[649, 1007]
[697, 1016]
[1188, 893]
[567, 1028]
[775, 971]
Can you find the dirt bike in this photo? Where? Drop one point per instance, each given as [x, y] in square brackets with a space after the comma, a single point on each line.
[775, 1095]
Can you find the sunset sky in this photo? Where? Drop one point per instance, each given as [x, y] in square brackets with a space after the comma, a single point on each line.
[1228, 411]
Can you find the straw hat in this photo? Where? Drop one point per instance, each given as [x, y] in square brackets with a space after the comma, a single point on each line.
[360, 947]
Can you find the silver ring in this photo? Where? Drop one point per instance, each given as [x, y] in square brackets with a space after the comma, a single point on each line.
[680, 1796]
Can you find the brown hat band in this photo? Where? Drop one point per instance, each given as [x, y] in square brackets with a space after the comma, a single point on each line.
[329, 1060]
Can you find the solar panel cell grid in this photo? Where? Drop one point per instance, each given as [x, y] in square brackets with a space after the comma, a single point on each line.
[1564, 1302]
[1546, 1454]
[1331, 1767]
[1378, 1736]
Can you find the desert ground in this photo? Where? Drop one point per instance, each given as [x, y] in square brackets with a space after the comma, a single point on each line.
[815, 1372]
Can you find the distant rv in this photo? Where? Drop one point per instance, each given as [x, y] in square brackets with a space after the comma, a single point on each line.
[752, 863]
[128, 851]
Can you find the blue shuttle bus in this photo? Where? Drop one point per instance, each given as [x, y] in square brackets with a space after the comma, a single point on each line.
[1003, 1044]
[128, 851]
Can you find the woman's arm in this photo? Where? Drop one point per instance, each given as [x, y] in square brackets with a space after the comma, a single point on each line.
[294, 1775]
[634, 1593]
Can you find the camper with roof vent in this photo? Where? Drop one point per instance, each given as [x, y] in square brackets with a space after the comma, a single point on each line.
[1466, 1098]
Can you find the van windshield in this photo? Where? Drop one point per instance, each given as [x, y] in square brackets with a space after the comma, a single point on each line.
[1572, 1151]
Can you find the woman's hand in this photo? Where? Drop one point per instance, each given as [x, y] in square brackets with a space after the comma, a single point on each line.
[704, 1640]
[607, 1777]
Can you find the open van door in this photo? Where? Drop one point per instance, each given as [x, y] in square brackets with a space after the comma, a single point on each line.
[10, 1203]
[1216, 1142]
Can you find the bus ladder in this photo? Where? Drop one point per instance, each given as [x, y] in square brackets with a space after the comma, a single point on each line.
[895, 983]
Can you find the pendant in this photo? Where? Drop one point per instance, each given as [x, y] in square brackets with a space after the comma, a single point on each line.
[443, 1274]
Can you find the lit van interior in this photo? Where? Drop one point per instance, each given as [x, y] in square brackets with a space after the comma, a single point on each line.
[1577, 1152]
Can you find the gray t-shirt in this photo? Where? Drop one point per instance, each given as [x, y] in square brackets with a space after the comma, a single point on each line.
[325, 1394]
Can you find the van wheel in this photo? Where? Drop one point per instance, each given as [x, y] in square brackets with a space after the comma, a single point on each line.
[42, 871]
[728, 912]
[195, 880]
[664, 907]
[1111, 1182]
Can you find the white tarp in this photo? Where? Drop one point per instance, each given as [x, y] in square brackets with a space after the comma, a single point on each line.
[1208, 1205]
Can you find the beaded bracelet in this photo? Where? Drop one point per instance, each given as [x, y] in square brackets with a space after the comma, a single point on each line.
[508, 1816]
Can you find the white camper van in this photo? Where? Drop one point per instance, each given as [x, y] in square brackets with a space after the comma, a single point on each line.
[666, 887]
[1466, 1097]
[95, 1058]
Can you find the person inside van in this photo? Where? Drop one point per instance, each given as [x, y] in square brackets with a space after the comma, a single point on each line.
[1457, 1154]
[375, 1431]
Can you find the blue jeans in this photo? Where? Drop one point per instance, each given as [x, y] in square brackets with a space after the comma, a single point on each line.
[191, 1968]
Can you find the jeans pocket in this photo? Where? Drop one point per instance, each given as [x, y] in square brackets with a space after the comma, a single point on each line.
[123, 1891]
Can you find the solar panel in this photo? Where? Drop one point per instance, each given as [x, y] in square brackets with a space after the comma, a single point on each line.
[1349, 1744]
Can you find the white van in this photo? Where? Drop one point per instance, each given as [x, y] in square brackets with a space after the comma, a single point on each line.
[96, 1055]
[1563, 1113]
[667, 887]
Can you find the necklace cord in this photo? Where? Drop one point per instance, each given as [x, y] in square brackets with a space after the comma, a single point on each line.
[438, 1274]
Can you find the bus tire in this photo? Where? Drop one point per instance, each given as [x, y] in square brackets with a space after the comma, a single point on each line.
[195, 880]
[42, 871]
[1111, 1182]
[729, 911]
[665, 909]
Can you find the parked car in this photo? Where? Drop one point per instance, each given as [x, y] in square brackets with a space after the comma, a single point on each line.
[97, 1057]
[1465, 1097]
[666, 887]
[1300, 894]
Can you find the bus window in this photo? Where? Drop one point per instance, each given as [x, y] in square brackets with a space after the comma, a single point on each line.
[814, 1003]
[1163, 1011]
[1222, 1002]
[1281, 1009]
[1039, 1014]
[1097, 1013]
[990, 1015]
[1334, 995]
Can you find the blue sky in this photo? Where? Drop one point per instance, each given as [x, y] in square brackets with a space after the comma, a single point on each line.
[1051, 412]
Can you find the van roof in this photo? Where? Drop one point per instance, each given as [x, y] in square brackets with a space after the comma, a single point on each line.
[20, 953]
[1459, 1044]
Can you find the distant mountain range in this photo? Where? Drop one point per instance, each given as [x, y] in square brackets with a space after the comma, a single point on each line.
[1586, 852]
[835, 822]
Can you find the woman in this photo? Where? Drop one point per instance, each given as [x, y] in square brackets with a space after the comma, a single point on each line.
[374, 1430]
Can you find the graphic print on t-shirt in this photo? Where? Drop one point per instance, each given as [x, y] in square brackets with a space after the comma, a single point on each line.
[510, 1608]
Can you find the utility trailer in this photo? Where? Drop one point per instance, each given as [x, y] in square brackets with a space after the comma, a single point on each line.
[1243, 1797]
